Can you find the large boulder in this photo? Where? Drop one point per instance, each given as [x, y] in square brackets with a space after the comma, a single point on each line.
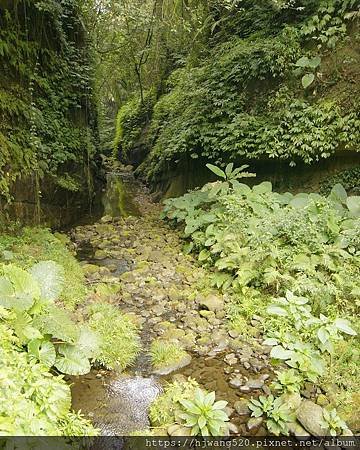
[310, 415]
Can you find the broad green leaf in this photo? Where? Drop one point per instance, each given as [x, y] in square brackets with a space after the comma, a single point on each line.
[209, 398]
[89, 342]
[263, 187]
[353, 204]
[307, 80]
[71, 360]
[302, 62]
[314, 62]
[279, 352]
[50, 277]
[216, 170]
[299, 202]
[201, 422]
[270, 341]
[229, 169]
[276, 310]
[344, 326]
[44, 351]
[338, 193]
[23, 327]
[56, 322]
[204, 255]
[221, 404]
[190, 406]
[18, 290]
[323, 335]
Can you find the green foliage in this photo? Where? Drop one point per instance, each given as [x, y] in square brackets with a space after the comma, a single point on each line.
[306, 64]
[131, 120]
[334, 422]
[276, 412]
[166, 407]
[287, 381]
[34, 245]
[328, 26]
[119, 343]
[46, 93]
[47, 331]
[294, 259]
[33, 401]
[164, 353]
[349, 178]
[203, 415]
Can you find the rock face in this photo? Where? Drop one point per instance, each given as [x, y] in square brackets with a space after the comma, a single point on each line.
[310, 415]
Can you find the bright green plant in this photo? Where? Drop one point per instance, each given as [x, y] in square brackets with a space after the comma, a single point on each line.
[203, 415]
[166, 407]
[47, 331]
[308, 65]
[164, 353]
[33, 402]
[288, 381]
[119, 340]
[334, 423]
[276, 412]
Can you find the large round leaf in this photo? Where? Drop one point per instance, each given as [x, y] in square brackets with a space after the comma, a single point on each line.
[44, 351]
[18, 289]
[353, 203]
[71, 360]
[50, 277]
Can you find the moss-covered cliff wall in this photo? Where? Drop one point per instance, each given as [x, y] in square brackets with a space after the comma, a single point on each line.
[48, 126]
[277, 87]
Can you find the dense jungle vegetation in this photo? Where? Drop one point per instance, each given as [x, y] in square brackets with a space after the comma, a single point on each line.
[180, 93]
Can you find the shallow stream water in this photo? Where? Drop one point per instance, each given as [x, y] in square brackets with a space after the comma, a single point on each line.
[118, 403]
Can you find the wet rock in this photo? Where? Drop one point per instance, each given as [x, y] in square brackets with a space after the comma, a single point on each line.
[292, 401]
[297, 430]
[310, 416]
[100, 254]
[230, 359]
[183, 362]
[245, 389]
[236, 382]
[254, 423]
[241, 407]
[322, 400]
[233, 428]
[207, 314]
[90, 269]
[233, 333]
[212, 302]
[106, 219]
[255, 383]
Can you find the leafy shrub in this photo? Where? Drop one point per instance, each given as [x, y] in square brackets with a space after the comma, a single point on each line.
[47, 331]
[294, 259]
[205, 416]
[131, 119]
[33, 401]
[119, 341]
[165, 409]
[38, 244]
[276, 412]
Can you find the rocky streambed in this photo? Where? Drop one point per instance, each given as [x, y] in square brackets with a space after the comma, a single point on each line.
[167, 295]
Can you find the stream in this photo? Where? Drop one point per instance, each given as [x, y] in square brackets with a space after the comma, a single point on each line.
[159, 287]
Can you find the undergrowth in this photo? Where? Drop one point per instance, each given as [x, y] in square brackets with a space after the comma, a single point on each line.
[291, 259]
